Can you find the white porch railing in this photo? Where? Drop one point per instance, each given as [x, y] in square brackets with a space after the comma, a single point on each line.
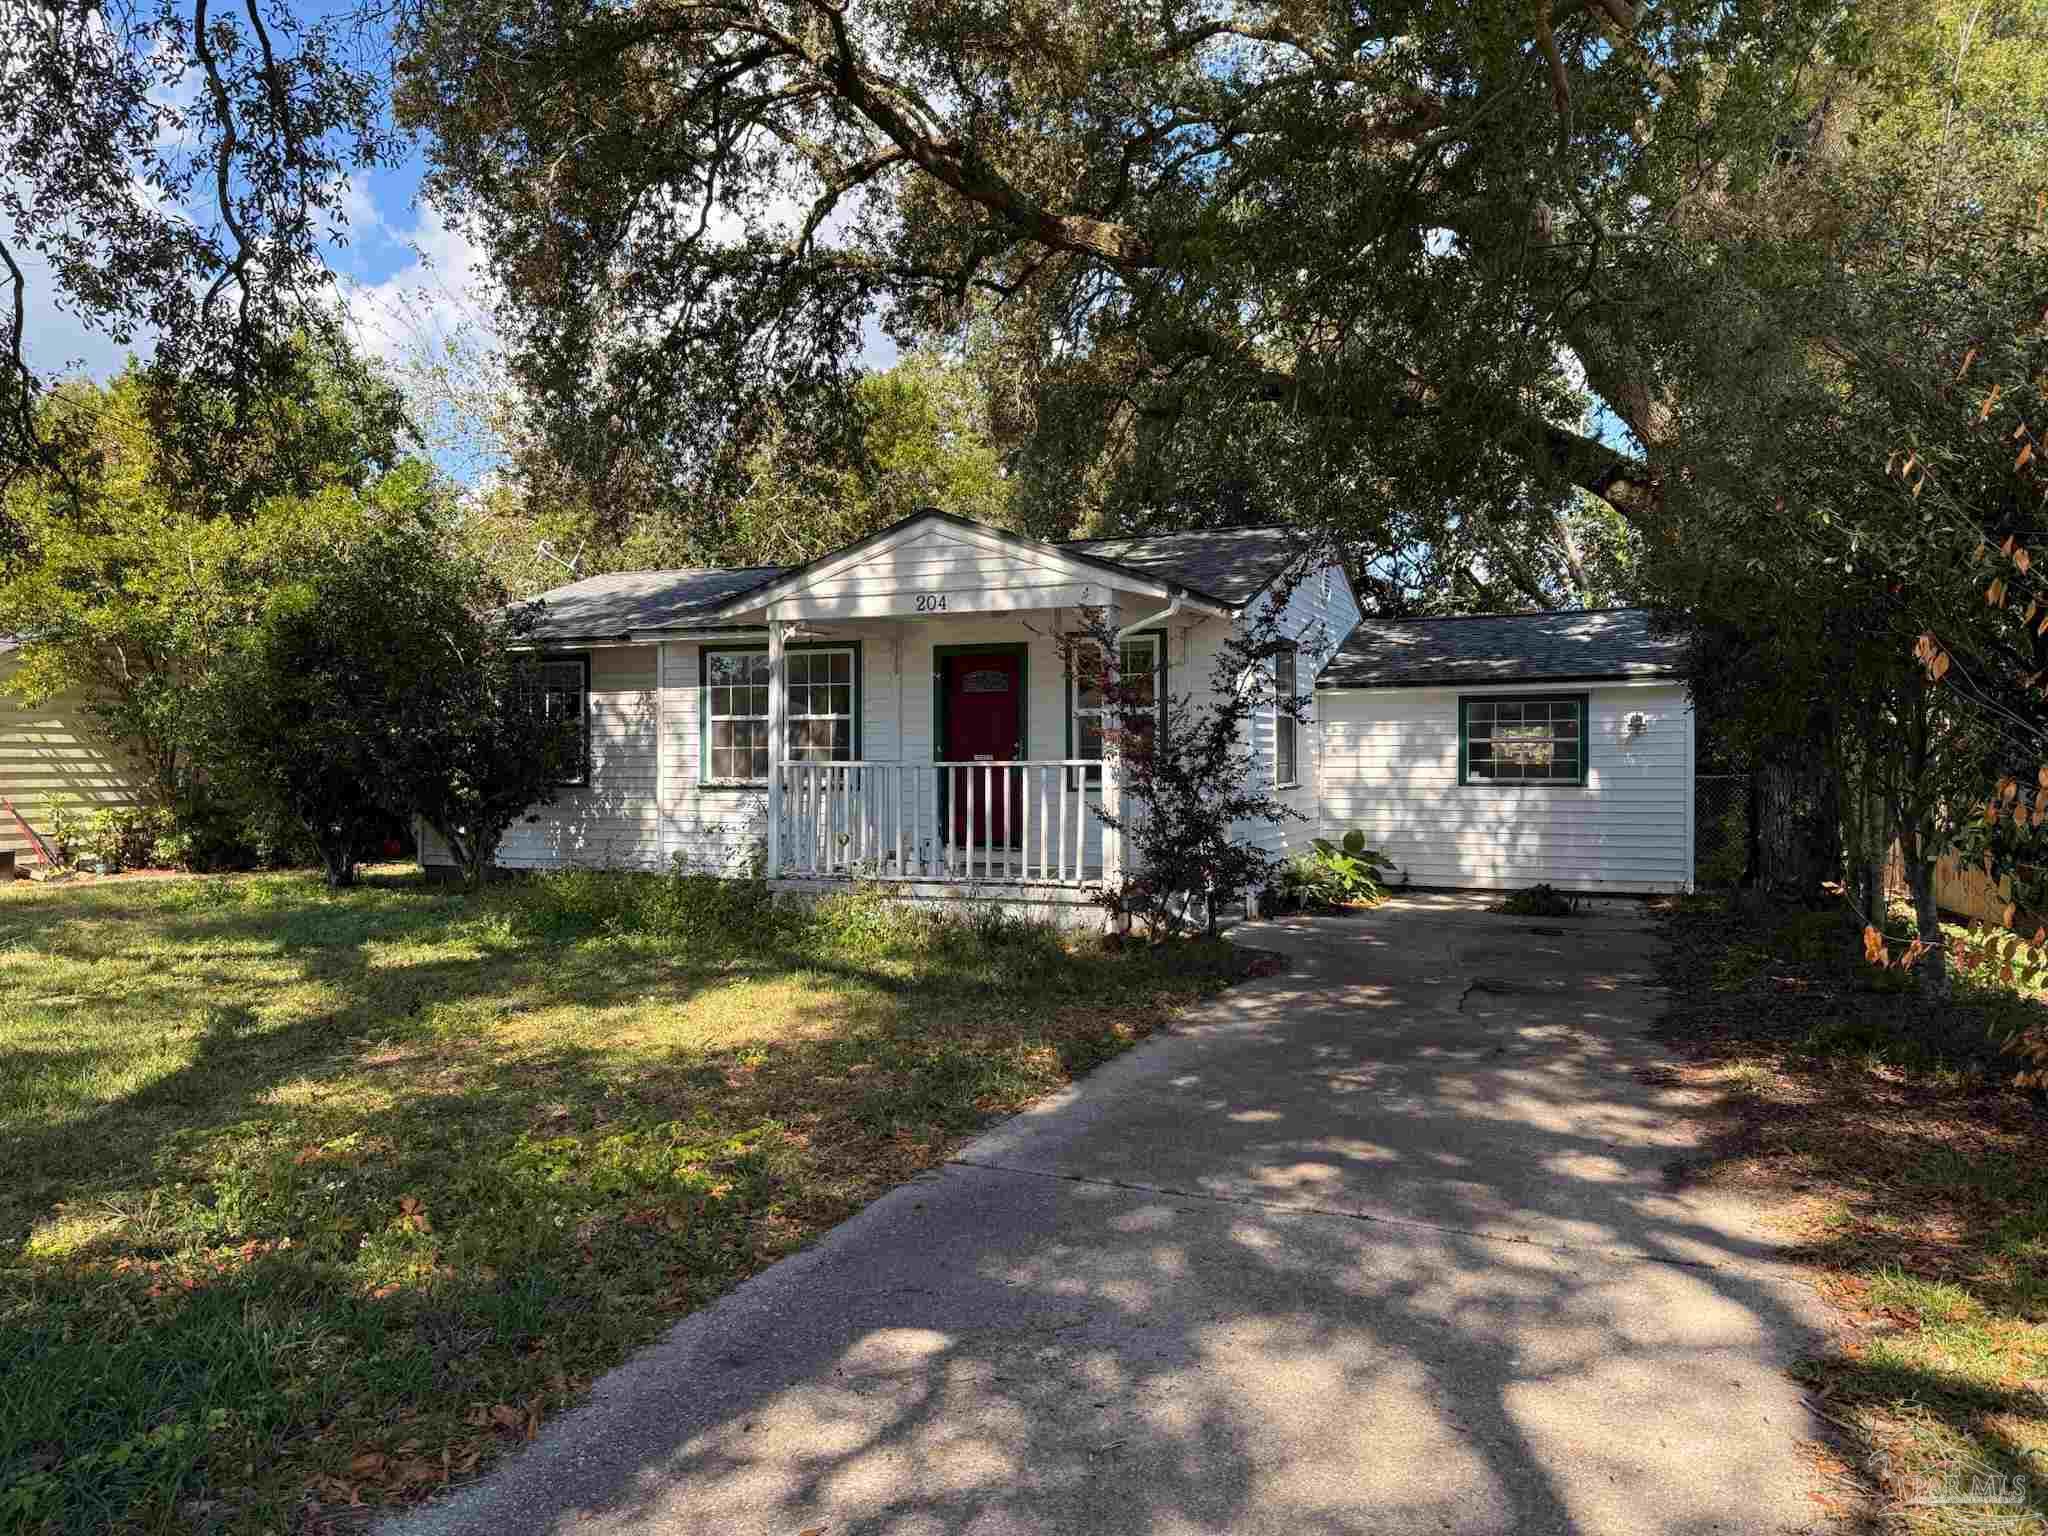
[953, 822]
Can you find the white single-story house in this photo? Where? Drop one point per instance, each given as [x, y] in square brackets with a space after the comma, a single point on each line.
[899, 710]
[50, 756]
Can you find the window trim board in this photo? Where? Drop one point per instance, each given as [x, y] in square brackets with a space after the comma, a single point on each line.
[1300, 726]
[1159, 636]
[704, 778]
[582, 659]
[1584, 701]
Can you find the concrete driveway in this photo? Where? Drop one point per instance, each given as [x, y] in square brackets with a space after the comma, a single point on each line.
[1384, 1244]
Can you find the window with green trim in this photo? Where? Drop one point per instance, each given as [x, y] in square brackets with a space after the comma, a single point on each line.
[820, 695]
[1519, 739]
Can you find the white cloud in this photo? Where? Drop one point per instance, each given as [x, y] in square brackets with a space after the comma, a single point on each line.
[436, 297]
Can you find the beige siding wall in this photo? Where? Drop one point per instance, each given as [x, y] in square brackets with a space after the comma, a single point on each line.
[1391, 769]
[48, 757]
[613, 820]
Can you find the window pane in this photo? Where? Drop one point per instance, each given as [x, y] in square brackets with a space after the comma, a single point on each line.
[842, 699]
[1088, 736]
[1567, 722]
[1087, 680]
[842, 667]
[1508, 712]
[759, 764]
[1479, 712]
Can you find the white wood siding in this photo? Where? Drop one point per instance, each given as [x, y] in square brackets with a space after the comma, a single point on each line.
[1321, 612]
[613, 820]
[1390, 768]
[50, 756]
[967, 572]
[648, 804]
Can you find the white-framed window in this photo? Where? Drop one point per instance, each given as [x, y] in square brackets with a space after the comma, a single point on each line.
[562, 684]
[736, 717]
[821, 692]
[1286, 729]
[1141, 664]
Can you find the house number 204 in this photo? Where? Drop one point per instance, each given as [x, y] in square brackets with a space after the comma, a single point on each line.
[931, 602]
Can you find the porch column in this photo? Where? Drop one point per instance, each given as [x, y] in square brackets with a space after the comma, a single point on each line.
[776, 735]
[1112, 764]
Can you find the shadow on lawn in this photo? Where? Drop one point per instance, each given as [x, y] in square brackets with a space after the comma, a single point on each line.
[1156, 1349]
[165, 1357]
[1886, 1125]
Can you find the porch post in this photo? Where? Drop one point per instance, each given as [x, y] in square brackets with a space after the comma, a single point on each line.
[1112, 786]
[776, 733]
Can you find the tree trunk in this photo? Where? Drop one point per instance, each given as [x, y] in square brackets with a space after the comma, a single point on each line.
[1932, 973]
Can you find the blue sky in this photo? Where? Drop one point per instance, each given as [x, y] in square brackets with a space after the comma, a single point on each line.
[409, 281]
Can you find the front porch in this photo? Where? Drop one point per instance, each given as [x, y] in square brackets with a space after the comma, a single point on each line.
[945, 824]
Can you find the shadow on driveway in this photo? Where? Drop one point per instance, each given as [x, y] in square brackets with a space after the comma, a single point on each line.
[1384, 1244]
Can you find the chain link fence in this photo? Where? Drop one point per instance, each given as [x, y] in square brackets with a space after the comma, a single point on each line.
[1720, 850]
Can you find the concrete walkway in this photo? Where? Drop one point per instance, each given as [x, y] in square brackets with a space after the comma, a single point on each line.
[1384, 1244]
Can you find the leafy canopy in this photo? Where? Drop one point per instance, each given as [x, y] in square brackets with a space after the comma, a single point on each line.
[1326, 259]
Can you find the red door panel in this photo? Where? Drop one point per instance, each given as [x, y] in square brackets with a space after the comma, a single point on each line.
[983, 694]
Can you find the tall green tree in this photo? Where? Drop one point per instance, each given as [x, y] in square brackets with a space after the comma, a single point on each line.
[171, 170]
[1335, 255]
[129, 582]
[912, 436]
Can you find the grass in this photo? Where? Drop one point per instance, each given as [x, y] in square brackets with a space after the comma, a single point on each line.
[316, 1202]
[1883, 1132]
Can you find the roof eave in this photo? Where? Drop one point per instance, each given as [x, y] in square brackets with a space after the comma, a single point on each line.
[1517, 680]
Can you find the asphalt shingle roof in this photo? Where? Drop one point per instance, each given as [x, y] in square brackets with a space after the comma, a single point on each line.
[1232, 565]
[1229, 565]
[1584, 645]
[611, 607]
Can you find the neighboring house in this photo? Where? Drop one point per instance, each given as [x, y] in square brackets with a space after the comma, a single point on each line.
[899, 710]
[1497, 752]
[49, 756]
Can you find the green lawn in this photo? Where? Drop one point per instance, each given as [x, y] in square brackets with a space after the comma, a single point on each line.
[1882, 1130]
[312, 1201]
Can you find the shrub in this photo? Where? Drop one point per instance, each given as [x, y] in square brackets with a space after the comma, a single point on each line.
[120, 836]
[1541, 900]
[1331, 874]
[1186, 800]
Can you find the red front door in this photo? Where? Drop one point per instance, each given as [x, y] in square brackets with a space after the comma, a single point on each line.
[982, 698]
